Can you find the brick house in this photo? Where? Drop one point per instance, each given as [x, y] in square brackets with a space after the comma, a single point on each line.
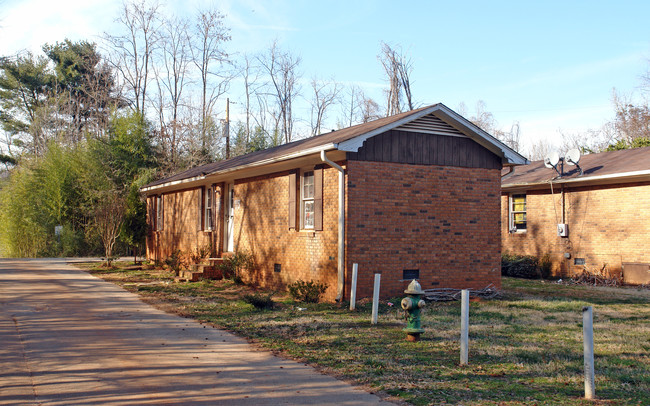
[606, 211]
[415, 195]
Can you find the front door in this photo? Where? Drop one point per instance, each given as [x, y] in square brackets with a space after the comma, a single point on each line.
[229, 213]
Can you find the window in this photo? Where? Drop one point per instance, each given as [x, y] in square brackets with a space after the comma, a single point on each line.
[159, 213]
[307, 211]
[517, 213]
[207, 218]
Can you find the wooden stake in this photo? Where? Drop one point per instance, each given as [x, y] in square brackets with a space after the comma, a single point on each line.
[464, 327]
[588, 335]
[353, 289]
[375, 298]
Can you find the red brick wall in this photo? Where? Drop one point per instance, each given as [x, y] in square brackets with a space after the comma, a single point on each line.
[180, 229]
[441, 220]
[261, 228]
[607, 226]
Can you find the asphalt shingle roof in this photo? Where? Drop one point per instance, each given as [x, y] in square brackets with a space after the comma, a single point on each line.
[593, 166]
[286, 149]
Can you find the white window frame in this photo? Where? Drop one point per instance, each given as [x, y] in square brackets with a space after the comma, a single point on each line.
[512, 227]
[304, 200]
[208, 219]
[160, 212]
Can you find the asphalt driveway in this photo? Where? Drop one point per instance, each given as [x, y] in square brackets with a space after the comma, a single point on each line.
[68, 338]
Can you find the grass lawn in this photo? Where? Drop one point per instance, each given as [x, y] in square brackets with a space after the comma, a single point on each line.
[525, 348]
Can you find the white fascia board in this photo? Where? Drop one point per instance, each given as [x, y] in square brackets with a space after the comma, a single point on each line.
[602, 179]
[173, 183]
[353, 144]
[298, 154]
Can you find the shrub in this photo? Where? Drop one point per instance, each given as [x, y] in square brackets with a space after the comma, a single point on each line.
[525, 266]
[308, 292]
[200, 253]
[175, 261]
[259, 301]
[232, 266]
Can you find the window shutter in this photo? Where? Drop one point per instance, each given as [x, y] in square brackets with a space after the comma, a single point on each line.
[201, 210]
[292, 200]
[318, 199]
[214, 206]
[160, 208]
[150, 214]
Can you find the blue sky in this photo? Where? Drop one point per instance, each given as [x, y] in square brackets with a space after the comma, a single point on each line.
[549, 65]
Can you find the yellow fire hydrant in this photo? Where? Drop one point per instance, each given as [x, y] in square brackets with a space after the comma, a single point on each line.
[412, 305]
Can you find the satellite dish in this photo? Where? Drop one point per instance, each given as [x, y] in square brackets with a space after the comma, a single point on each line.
[573, 156]
[547, 162]
[551, 160]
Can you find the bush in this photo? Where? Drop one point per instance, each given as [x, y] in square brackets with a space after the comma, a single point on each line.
[200, 253]
[308, 292]
[232, 266]
[525, 266]
[176, 262]
[259, 301]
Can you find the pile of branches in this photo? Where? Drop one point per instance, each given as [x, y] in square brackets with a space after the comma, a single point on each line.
[598, 278]
[449, 294]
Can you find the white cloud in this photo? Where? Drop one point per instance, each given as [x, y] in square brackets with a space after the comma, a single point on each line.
[28, 25]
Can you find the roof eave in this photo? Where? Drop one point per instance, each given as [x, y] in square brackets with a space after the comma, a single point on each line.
[625, 177]
[188, 181]
[353, 144]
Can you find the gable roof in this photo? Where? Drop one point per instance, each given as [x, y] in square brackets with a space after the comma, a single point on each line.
[630, 165]
[437, 118]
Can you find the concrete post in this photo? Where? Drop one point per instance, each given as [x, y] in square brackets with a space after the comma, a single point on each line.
[375, 298]
[353, 289]
[464, 327]
[588, 336]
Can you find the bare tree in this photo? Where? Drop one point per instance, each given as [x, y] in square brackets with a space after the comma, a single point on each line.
[398, 68]
[281, 68]
[325, 94]
[632, 120]
[171, 80]
[351, 105]
[108, 218]
[540, 149]
[132, 52]
[369, 110]
[208, 55]
[250, 74]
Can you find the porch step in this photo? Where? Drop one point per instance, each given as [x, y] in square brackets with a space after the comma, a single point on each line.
[197, 272]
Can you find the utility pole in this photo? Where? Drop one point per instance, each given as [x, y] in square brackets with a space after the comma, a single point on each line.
[227, 129]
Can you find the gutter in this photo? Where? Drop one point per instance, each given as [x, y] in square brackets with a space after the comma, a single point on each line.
[341, 236]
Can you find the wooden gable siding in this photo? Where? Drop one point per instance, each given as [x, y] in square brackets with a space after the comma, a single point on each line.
[409, 147]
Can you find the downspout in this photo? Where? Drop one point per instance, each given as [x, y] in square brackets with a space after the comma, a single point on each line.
[341, 237]
[563, 208]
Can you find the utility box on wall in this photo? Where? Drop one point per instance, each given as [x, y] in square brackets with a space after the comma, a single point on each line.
[563, 230]
[635, 273]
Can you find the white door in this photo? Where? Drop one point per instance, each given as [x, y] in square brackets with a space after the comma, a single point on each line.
[228, 238]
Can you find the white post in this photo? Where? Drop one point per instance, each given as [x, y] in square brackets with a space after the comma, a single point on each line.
[353, 289]
[464, 327]
[375, 298]
[588, 335]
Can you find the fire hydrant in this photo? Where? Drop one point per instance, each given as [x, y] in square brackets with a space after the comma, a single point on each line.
[412, 305]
